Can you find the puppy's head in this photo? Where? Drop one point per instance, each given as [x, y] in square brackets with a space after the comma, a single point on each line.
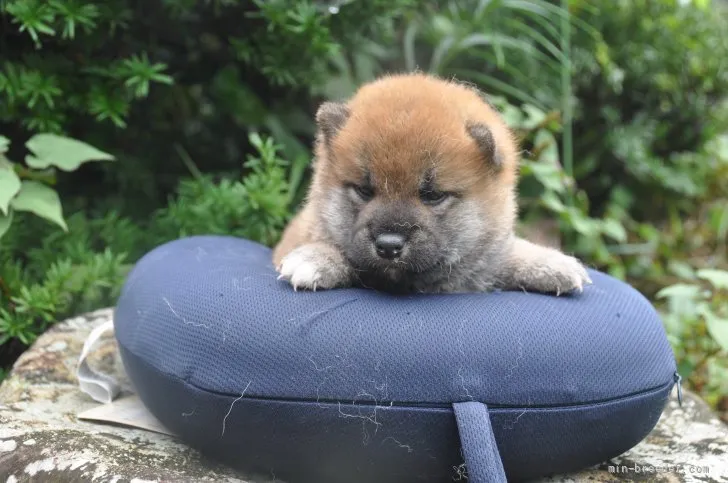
[414, 174]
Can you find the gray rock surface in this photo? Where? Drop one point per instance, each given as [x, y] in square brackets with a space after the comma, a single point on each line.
[41, 438]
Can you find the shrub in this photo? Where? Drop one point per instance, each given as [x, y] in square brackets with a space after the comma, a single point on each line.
[651, 150]
[26, 188]
[651, 88]
[256, 207]
[171, 88]
[49, 274]
[57, 64]
[171, 81]
[696, 320]
[512, 48]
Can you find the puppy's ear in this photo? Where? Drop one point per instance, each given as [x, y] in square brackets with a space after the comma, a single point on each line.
[331, 117]
[486, 142]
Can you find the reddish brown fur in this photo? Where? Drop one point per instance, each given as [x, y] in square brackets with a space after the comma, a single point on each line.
[414, 189]
[379, 130]
[381, 117]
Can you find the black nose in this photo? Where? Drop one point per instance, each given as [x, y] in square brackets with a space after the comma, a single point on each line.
[389, 245]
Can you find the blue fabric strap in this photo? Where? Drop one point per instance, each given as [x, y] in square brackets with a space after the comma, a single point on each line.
[482, 459]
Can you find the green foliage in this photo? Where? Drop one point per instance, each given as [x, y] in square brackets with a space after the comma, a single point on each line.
[66, 273]
[68, 287]
[50, 274]
[696, 319]
[256, 207]
[316, 25]
[512, 47]
[651, 89]
[27, 188]
[651, 150]
[150, 81]
[64, 73]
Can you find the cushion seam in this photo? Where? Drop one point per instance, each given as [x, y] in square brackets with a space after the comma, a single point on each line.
[425, 405]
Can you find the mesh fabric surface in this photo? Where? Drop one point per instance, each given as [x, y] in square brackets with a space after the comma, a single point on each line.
[212, 312]
[357, 386]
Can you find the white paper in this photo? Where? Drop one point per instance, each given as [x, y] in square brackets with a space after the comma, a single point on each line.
[128, 411]
[101, 387]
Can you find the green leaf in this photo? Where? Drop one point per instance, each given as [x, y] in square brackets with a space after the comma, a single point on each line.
[679, 290]
[548, 175]
[614, 229]
[681, 269]
[513, 116]
[552, 202]
[579, 222]
[703, 4]
[717, 327]
[498, 85]
[9, 185]
[545, 141]
[62, 152]
[535, 116]
[40, 200]
[4, 143]
[717, 278]
[5, 222]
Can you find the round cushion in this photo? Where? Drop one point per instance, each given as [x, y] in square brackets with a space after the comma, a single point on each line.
[356, 385]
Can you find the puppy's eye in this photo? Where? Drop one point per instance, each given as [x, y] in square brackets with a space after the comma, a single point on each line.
[366, 193]
[432, 197]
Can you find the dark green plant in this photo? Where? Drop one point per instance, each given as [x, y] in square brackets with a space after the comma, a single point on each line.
[256, 207]
[28, 187]
[49, 274]
[651, 88]
[696, 318]
[43, 87]
[651, 150]
[512, 48]
[168, 77]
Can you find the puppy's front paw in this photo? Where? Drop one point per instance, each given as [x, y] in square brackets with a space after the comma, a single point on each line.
[558, 274]
[536, 268]
[314, 266]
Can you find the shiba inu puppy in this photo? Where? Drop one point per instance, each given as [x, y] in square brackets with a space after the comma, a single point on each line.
[414, 190]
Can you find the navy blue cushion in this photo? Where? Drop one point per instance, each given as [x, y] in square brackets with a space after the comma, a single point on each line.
[358, 386]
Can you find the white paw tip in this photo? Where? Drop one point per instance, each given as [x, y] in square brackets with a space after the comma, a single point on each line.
[300, 272]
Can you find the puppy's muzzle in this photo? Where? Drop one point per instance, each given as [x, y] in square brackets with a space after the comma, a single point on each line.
[389, 245]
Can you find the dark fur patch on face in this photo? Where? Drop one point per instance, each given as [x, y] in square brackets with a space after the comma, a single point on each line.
[486, 142]
[331, 117]
[436, 236]
[362, 189]
[428, 180]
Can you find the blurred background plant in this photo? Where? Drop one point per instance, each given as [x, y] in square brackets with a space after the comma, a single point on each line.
[207, 108]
